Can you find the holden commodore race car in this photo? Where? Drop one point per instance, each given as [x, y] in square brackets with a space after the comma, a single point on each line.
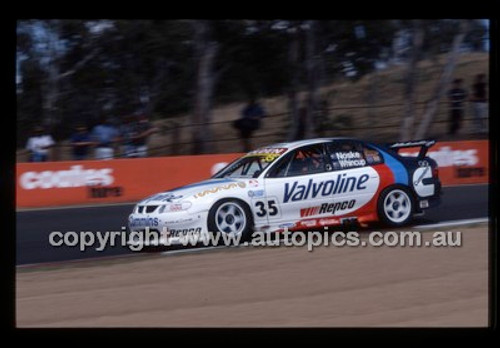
[299, 185]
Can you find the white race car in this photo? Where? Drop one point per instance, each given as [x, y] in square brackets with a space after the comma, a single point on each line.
[298, 185]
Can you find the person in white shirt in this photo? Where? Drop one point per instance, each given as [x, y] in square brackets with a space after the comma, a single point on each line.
[104, 135]
[38, 145]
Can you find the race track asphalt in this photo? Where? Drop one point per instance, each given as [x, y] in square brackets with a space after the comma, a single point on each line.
[34, 226]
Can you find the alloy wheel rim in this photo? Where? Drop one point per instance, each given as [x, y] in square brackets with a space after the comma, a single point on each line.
[230, 218]
[397, 206]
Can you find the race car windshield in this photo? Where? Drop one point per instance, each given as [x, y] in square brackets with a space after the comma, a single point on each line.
[245, 167]
[252, 164]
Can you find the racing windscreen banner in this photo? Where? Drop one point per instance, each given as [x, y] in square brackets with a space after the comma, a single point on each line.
[128, 180]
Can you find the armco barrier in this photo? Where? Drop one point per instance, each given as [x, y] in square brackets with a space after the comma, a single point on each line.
[126, 180]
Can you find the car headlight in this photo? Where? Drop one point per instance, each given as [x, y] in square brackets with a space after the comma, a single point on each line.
[174, 207]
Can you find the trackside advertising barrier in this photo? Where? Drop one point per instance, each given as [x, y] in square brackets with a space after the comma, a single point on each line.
[459, 162]
[128, 180]
[109, 181]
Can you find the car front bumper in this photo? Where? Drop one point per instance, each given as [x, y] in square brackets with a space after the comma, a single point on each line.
[171, 228]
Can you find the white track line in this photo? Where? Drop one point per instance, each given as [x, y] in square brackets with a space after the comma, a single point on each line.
[192, 251]
[454, 223]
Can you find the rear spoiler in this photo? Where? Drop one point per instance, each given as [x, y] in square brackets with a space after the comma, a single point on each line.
[423, 144]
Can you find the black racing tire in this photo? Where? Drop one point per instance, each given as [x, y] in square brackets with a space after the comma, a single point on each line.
[242, 212]
[396, 206]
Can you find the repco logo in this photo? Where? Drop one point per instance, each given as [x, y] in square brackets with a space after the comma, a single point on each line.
[76, 176]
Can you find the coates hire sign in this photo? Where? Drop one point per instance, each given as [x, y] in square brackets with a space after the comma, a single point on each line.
[120, 180]
[464, 162]
[75, 176]
[128, 180]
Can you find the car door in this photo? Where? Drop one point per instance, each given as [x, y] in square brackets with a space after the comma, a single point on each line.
[293, 186]
[358, 181]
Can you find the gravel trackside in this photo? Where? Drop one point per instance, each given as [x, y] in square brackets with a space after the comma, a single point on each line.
[267, 287]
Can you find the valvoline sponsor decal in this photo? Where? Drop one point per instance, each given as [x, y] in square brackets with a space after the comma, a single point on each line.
[341, 184]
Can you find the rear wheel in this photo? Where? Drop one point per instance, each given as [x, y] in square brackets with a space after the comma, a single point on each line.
[395, 206]
[232, 217]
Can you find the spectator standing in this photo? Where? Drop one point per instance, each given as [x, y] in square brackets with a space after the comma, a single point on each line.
[144, 129]
[479, 99]
[38, 145]
[249, 122]
[104, 135]
[81, 143]
[128, 133]
[457, 96]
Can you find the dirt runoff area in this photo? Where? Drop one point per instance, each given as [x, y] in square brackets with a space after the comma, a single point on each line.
[267, 287]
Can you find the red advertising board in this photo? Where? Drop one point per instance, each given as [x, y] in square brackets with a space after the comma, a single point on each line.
[127, 180]
[460, 162]
[118, 180]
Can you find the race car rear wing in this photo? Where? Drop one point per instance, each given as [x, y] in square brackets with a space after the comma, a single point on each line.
[423, 144]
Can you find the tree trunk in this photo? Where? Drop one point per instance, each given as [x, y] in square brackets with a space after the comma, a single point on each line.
[293, 103]
[322, 116]
[371, 98]
[397, 47]
[312, 80]
[50, 88]
[411, 82]
[205, 54]
[156, 86]
[444, 81]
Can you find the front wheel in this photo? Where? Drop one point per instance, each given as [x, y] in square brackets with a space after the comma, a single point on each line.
[232, 217]
[395, 206]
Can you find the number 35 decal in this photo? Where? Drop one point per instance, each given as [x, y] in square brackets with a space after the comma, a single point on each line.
[262, 211]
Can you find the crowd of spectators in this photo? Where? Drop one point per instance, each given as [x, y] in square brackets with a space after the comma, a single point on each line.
[477, 96]
[104, 141]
